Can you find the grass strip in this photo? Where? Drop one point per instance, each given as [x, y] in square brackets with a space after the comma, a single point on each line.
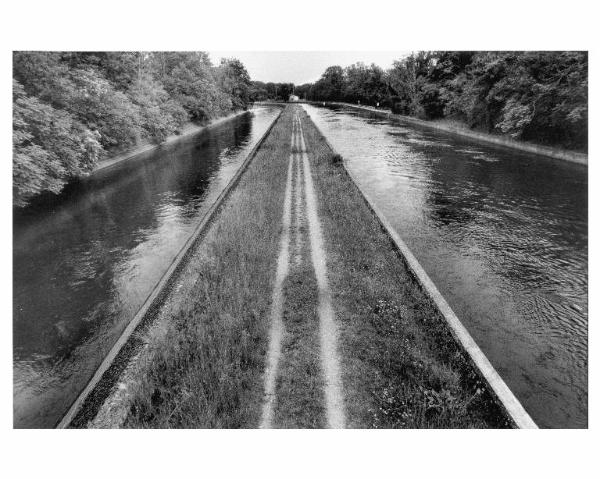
[204, 369]
[300, 386]
[401, 366]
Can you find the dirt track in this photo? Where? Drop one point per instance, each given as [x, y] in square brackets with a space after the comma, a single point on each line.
[305, 208]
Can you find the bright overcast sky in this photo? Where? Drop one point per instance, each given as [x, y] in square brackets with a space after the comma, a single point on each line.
[302, 67]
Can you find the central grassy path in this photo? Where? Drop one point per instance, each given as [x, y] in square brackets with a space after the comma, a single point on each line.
[328, 328]
[299, 372]
[295, 311]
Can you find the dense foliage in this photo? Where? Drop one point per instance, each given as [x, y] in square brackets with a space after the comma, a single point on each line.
[261, 91]
[71, 108]
[535, 96]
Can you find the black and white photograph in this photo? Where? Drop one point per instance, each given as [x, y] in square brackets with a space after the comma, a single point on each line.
[299, 236]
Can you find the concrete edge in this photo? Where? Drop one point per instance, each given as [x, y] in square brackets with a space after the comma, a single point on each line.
[513, 408]
[155, 295]
[555, 153]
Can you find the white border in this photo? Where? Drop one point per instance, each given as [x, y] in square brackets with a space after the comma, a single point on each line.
[306, 25]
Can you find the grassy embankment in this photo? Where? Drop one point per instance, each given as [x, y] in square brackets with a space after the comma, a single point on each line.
[205, 365]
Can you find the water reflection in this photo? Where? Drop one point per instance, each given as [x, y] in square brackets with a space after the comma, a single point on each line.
[84, 261]
[503, 235]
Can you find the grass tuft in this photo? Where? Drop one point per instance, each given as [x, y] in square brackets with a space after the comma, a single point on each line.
[336, 159]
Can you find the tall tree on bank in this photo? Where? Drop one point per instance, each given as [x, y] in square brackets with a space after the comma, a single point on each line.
[331, 85]
[49, 147]
[70, 109]
[534, 96]
[234, 80]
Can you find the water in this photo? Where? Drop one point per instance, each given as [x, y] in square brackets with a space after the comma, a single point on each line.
[85, 261]
[502, 234]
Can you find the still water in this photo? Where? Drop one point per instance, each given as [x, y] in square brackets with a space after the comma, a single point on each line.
[503, 235]
[84, 261]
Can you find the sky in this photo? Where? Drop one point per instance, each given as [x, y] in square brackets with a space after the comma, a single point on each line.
[302, 67]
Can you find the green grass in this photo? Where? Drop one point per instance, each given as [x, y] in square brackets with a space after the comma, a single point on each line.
[206, 369]
[401, 367]
[299, 393]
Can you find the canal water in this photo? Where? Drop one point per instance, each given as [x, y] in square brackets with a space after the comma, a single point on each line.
[502, 234]
[84, 261]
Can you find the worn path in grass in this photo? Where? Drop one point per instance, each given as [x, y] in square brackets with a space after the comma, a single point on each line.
[328, 328]
[307, 328]
[296, 312]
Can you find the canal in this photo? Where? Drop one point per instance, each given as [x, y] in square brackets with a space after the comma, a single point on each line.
[84, 261]
[503, 235]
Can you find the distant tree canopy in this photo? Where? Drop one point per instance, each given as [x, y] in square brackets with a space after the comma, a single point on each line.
[260, 91]
[535, 96]
[71, 108]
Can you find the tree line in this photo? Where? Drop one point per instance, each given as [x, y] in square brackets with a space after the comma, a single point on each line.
[261, 91]
[71, 109]
[533, 96]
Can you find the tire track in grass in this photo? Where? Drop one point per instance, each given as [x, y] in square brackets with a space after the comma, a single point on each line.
[276, 332]
[299, 212]
[328, 330]
[300, 385]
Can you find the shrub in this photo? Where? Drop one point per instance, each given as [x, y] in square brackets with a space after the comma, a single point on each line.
[49, 147]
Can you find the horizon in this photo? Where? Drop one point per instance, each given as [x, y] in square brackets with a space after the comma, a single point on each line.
[300, 67]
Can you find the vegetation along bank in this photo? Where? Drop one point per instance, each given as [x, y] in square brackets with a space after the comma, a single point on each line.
[296, 311]
[72, 110]
[537, 97]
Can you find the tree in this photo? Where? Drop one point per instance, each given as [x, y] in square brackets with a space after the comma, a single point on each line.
[160, 115]
[49, 147]
[367, 84]
[537, 96]
[544, 97]
[304, 91]
[330, 86]
[235, 81]
[403, 79]
[190, 80]
[83, 91]
[258, 91]
[71, 108]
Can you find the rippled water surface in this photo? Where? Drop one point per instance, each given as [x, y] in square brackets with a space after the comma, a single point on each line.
[503, 234]
[85, 261]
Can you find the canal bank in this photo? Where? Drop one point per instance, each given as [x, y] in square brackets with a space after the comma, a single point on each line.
[129, 345]
[145, 146]
[464, 340]
[550, 152]
[502, 234]
[348, 338]
[86, 260]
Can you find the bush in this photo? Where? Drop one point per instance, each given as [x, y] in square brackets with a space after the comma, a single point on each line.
[70, 108]
[49, 147]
